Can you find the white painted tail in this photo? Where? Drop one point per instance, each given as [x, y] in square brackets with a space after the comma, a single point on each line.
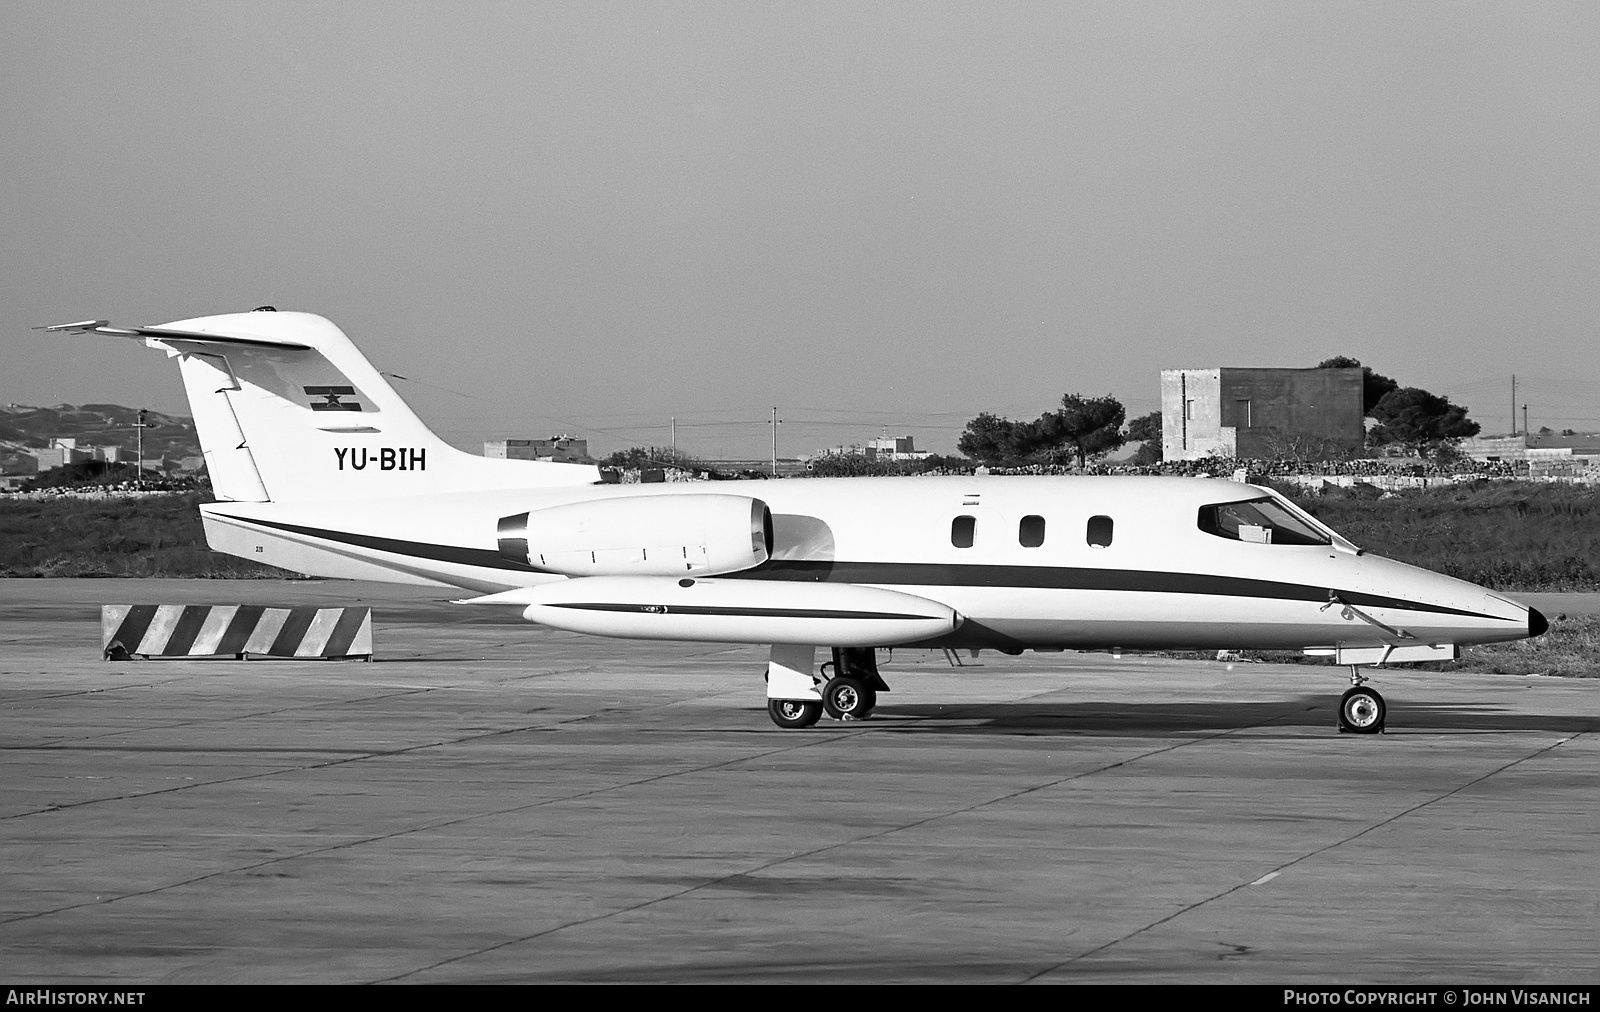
[288, 411]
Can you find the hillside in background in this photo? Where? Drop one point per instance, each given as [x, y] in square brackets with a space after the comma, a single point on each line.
[93, 425]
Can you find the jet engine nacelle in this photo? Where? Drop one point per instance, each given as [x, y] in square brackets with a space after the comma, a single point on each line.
[647, 535]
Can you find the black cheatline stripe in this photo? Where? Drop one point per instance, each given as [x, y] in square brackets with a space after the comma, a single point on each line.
[237, 634]
[684, 609]
[932, 574]
[187, 630]
[482, 558]
[344, 632]
[1069, 578]
[293, 631]
[134, 625]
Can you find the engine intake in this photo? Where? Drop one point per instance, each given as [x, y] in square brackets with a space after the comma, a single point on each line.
[645, 535]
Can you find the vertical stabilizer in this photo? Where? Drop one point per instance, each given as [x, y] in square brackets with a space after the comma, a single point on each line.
[211, 386]
[288, 410]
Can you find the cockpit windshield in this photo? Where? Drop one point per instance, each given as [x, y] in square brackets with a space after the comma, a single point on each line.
[1259, 521]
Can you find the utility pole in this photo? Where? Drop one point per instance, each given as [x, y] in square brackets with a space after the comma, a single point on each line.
[672, 423]
[138, 428]
[1513, 404]
[1526, 432]
[776, 421]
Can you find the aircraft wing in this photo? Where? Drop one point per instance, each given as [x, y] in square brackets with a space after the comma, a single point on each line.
[731, 610]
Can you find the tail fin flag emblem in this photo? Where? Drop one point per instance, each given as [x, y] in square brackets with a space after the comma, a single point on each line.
[333, 395]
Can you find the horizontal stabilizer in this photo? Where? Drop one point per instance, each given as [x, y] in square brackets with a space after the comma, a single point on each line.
[173, 334]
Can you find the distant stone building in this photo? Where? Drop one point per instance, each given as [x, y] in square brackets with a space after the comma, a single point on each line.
[1260, 413]
[24, 464]
[895, 448]
[561, 449]
[887, 448]
[1545, 455]
[1495, 448]
[62, 451]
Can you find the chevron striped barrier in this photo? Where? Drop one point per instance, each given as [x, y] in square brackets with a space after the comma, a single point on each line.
[241, 631]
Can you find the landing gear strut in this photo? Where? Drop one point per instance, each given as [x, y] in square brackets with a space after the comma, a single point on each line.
[1361, 710]
[850, 688]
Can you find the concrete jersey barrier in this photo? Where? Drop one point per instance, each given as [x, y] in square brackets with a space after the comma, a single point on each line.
[241, 631]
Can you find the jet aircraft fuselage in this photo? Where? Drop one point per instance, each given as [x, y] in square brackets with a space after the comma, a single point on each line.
[1025, 561]
[320, 467]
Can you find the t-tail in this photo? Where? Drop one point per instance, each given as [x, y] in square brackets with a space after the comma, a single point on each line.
[288, 411]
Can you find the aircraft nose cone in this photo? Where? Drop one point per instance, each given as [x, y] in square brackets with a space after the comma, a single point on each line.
[1536, 623]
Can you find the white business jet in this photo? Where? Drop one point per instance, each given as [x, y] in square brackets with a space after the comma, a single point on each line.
[320, 468]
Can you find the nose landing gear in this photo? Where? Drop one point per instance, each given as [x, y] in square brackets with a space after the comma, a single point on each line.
[1361, 710]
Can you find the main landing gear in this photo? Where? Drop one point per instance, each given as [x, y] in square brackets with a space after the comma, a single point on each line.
[848, 699]
[849, 691]
[1361, 710]
[793, 714]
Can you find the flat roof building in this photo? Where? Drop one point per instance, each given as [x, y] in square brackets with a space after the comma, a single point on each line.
[1261, 413]
[562, 449]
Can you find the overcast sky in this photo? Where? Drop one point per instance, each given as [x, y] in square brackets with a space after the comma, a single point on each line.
[592, 217]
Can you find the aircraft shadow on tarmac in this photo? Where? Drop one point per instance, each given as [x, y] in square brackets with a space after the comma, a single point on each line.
[1167, 718]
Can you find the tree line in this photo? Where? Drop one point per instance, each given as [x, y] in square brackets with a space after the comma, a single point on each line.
[1419, 421]
[1087, 428]
[1084, 429]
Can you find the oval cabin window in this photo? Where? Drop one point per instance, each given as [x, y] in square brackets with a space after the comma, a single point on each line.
[1099, 532]
[961, 529]
[1030, 532]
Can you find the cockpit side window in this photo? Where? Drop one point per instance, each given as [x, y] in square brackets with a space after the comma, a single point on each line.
[1258, 521]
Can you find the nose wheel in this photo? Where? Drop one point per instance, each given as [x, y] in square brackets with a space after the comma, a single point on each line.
[1361, 710]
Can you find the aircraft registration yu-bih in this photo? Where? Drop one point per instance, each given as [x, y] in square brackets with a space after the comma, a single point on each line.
[320, 468]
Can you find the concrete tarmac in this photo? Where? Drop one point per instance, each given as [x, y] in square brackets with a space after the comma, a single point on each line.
[495, 802]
